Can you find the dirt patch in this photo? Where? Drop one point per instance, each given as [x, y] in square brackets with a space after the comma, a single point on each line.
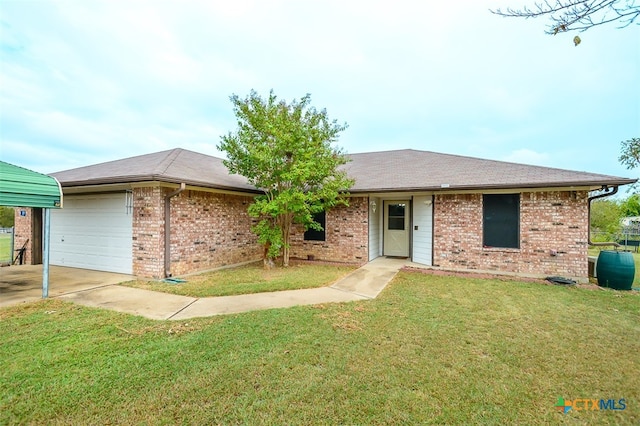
[14, 283]
[468, 274]
[300, 261]
[591, 285]
[344, 320]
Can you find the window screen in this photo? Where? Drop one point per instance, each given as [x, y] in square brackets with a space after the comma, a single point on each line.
[501, 220]
[314, 235]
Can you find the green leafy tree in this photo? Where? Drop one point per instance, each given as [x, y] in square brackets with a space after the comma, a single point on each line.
[630, 153]
[630, 156]
[6, 217]
[631, 206]
[605, 218]
[286, 151]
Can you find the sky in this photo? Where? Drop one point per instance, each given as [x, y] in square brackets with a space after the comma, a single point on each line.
[88, 81]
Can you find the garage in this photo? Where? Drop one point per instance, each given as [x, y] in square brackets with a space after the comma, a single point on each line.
[94, 231]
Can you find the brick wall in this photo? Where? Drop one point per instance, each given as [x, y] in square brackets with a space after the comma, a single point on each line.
[549, 221]
[23, 232]
[346, 232]
[148, 232]
[209, 230]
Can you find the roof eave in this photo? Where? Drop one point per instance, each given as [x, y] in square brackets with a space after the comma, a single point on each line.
[595, 184]
[154, 178]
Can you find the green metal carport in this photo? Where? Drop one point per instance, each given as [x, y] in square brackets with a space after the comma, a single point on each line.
[20, 187]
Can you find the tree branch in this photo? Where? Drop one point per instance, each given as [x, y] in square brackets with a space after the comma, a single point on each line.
[577, 15]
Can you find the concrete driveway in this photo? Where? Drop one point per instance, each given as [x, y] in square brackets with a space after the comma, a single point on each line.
[23, 283]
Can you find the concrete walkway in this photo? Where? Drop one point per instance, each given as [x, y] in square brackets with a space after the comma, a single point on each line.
[364, 283]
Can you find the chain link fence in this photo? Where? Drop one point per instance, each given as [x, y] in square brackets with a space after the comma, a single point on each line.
[628, 236]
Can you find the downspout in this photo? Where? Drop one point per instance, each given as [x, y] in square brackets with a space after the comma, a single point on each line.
[590, 199]
[167, 229]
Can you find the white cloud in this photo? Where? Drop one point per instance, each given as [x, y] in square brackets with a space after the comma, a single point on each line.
[110, 79]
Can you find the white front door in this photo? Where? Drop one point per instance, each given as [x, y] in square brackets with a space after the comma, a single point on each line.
[396, 228]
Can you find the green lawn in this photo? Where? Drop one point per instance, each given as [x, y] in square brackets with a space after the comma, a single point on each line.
[5, 247]
[429, 349]
[253, 278]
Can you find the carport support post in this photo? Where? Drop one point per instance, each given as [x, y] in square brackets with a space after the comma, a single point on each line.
[45, 254]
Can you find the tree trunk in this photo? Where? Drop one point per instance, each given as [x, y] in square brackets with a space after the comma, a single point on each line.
[268, 262]
[286, 231]
[285, 248]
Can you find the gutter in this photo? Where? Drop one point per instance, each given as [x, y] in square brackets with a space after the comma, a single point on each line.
[590, 199]
[146, 179]
[570, 186]
[167, 229]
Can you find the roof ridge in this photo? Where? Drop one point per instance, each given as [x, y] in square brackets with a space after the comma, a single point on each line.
[119, 160]
[171, 157]
[384, 151]
[487, 160]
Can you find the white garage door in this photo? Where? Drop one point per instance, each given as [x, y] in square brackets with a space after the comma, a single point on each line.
[93, 232]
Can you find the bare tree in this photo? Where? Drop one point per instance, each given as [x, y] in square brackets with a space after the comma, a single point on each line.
[578, 15]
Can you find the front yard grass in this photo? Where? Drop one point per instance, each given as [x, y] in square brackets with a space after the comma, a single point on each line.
[5, 247]
[428, 350]
[252, 278]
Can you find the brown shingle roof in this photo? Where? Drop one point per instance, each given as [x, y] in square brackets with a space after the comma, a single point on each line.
[408, 170]
[173, 166]
[401, 170]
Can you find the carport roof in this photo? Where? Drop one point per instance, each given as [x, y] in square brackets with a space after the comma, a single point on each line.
[20, 187]
[387, 171]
